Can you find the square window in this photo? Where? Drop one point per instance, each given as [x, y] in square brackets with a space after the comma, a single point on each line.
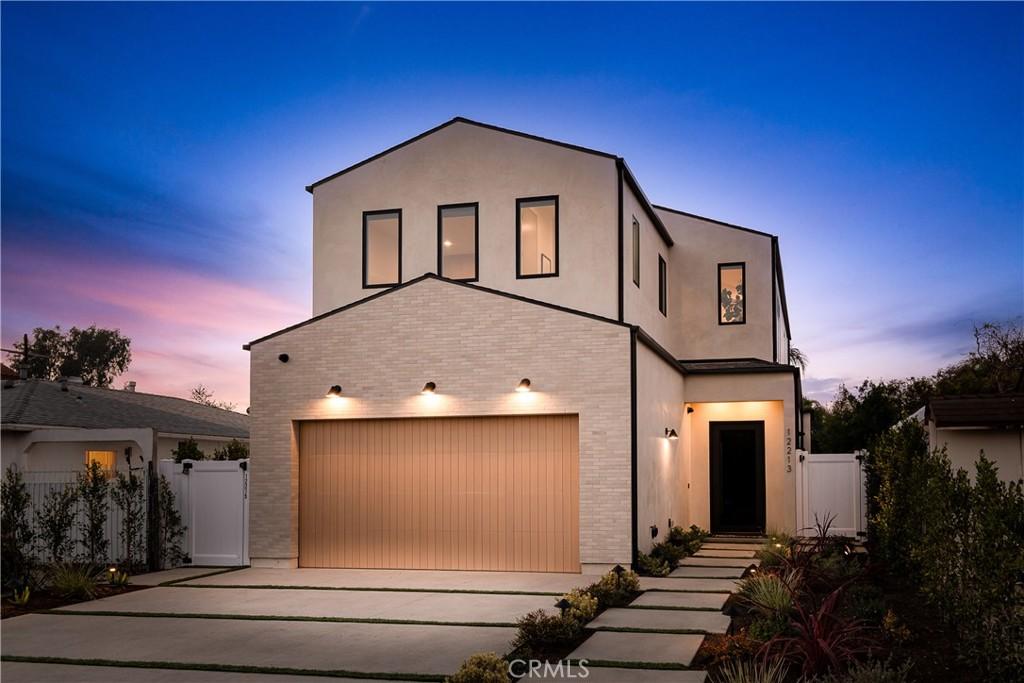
[458, 230]
[382, 248]
[537, 237]
[732, 294]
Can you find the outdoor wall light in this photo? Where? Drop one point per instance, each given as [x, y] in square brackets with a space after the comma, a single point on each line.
[671, 434]
[689, 409]
[428, 388]
[334, 390]
[283, 357]
[524, 385]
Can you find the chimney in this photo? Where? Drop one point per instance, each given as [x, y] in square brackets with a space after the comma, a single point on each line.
[130, 386]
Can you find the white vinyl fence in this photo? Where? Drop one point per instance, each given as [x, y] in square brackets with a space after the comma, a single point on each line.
[41, 484]
[831, 485]
[213, 498]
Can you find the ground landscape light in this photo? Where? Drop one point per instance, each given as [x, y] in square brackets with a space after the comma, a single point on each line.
[334, 390]
[524, 385]
[429, 388]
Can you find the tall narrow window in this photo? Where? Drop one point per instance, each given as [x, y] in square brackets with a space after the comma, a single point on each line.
[636, 252]
[732, 294]
[537, 237]
[458, 229]
[382, 248]
[662, 286]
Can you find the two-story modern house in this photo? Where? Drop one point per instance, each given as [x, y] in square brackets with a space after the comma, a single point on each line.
[517, 362]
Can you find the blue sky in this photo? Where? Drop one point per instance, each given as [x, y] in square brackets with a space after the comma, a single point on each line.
[154, 155]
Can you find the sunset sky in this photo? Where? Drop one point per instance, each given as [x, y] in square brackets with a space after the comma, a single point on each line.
[154, 156]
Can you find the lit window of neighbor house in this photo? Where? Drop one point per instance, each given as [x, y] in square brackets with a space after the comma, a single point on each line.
[104, 458]
[458, 238]
[382, 248]
[537, 237]
[732, 294]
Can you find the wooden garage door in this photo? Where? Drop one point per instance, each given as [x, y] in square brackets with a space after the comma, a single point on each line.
[488, 493]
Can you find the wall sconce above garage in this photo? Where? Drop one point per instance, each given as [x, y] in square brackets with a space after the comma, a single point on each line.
[524, 385]
[335, 390]
[428, 388]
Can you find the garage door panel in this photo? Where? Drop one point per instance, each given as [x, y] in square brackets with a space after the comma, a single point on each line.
[490, 493]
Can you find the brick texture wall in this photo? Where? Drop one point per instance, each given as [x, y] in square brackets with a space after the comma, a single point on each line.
[476, 346]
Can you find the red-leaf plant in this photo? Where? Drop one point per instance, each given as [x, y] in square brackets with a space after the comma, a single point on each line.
[821, 640]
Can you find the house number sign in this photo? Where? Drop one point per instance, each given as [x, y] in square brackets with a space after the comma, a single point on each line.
[789, 449]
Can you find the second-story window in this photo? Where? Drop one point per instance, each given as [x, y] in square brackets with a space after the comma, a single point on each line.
[636, 252]
[537, 237]
[458, 229]
[382, 248]
[662, 286]
[732, 294]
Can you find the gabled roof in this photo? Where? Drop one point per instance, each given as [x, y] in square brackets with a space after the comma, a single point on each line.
[627, 174]
[994, 410]
[36, 402]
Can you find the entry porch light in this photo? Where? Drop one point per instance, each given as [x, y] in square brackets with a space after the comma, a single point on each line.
[524, 385]
[334, 390]
[428, 388]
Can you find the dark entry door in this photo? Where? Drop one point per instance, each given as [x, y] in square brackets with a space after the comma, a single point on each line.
[737, 477]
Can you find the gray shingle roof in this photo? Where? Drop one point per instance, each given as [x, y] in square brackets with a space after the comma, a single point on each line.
[38, 402]
[994, 410]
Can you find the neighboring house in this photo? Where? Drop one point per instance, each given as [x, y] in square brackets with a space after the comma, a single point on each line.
[967, 425]
[61, 426]
[517, 362]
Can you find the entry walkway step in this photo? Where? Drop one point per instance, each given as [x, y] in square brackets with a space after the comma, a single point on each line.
[708, 572]
[728, 546]
[705, 552]
[672, 600]
[639, 648]
[755, 540]
[661, 620]
[605, 674]
[667, 583]
[740, 562]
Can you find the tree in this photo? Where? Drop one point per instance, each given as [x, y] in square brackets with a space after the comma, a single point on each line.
[797, 358]
[188, 450]
[995, 366]
[129, 495]
[200, 394]
[93, 489]
[95, 354]
[233, 450]
[16, 531]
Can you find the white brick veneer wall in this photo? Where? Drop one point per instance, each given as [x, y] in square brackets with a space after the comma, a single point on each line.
[476, 346]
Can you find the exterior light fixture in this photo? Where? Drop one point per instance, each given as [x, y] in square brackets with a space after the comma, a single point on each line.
[428, 388]
[689, 409]
[563, 605]
[334, 390]
[671, 434]
[447, 243]
[524, 385]
[283, 357]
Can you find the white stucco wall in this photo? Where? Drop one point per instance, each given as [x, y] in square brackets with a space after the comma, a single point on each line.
[1005, 447]
[640, 304]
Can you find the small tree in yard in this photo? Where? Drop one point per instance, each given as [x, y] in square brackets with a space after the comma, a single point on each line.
[93, 489]
[129, 496]
[171, 528]
[17, 534]
[188, 450]
[233, 450]
[55, 520]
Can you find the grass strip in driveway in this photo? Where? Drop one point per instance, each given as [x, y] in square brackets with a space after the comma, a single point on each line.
[471, 591]
[232, 668]
[271, 617]
[217, 572]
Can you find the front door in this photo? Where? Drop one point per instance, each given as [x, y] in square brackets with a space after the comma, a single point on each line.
[737, 477]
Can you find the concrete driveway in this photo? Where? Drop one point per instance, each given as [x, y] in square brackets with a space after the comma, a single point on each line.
[284, 623]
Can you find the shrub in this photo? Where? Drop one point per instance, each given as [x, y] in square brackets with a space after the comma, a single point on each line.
[689, 540]
[583, 606]
[863, 601]
[55, 521]
[750, 671]
[21, 597]
[171, 529]
[129, 496]
[541, 634]
[119, 579]
[15, 531]
[188, 450]
[485, 667]
[737, 647]
[233, 450]
[615, 589]
[93, 489]
[75, 581]
[764, 628]
[871, 671]
[669, 553]
[651, 566]
[767, 594]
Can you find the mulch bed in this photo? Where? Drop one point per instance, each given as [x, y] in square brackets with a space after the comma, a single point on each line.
[42, 600]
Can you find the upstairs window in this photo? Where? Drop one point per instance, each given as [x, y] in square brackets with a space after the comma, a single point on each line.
[382, 248]
[732, 294]
[662, 286]
[458, 229]
[537, 237]
[636, 252]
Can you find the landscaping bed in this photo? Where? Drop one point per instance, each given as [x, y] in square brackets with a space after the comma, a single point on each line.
[43, 600]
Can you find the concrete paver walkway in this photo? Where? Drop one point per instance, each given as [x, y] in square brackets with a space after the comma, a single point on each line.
[663, 620]
[740, 562]
[178, 574]
[680, 600]
[649, 648]
[724, 553]
[692, 572]
[668, 583]
[26, 672]
[727, 546]
[603, 674]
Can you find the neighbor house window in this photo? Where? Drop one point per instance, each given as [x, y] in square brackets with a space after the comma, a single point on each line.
[636, 252]
[732, 294]
[382, 248]
[662, 286]
[104, 458]
[537, 237]
[458, 228]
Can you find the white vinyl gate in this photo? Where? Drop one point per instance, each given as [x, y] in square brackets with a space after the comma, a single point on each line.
[213, 498]
[831, 485]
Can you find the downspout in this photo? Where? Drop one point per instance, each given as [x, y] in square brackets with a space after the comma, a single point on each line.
[622, 266]
[632, 459]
